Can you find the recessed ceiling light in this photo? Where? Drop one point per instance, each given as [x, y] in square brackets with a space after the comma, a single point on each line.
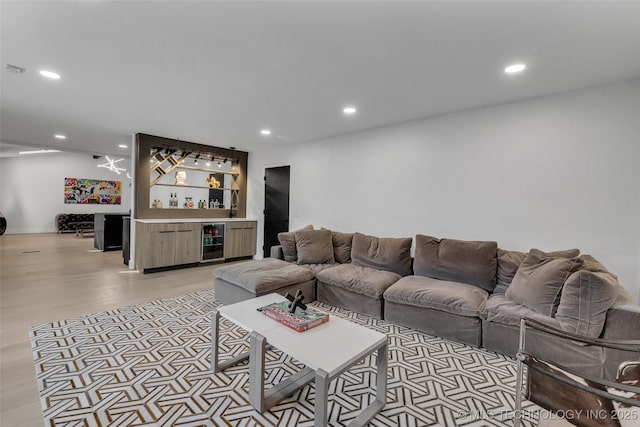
[49, 74]
[349, 110]
[265, 132]
[123, 146]
[515, 68]
[60, 136]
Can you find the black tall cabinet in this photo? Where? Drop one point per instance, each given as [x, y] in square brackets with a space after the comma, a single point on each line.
[108, 231]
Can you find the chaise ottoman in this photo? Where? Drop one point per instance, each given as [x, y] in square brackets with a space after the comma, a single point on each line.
[246, 280]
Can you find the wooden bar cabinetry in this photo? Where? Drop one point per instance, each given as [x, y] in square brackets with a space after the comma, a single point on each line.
[168, 244]
[241, 239]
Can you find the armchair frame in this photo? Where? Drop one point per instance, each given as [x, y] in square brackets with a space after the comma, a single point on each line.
[595, 386]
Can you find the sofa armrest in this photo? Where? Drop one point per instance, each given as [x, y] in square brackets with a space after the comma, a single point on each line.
[622, 324]
[623, 318]
[276, 252]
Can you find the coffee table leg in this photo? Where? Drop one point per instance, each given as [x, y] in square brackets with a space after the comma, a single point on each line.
[258, 345]
[322, 390]
[381, 377]
[215, 333]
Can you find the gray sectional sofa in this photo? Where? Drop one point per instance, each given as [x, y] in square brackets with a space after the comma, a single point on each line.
[471, 291]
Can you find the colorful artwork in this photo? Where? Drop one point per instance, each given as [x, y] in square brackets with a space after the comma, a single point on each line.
[92, 191]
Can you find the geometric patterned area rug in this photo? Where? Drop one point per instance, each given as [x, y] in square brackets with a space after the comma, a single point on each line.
[149, 365]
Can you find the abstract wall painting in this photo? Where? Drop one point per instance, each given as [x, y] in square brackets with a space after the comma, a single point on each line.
[92, 191]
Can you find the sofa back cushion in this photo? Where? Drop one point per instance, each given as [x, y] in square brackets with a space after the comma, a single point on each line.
[585, 299]
[508, 264]
[314, 247]
[287, 240]
[539, 280]
[382, 253]
[470, 262]
[593, 265]
[342, 243]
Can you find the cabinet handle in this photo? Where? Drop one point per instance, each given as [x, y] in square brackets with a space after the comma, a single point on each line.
[166, 231]
[185, 231]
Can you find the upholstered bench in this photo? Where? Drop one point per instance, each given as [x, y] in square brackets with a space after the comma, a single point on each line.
[70, 223]
[246, 280]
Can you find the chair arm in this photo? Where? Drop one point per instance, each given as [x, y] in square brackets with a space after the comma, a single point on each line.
[276, 252]
[620, 344]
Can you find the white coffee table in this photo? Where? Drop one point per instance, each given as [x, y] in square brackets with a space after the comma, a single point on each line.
[327, 351]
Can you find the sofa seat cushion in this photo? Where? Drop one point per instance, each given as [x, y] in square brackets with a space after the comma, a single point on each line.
[360, 280]
[500, 309]
[317, 268]
[451, 297]
[264, 275]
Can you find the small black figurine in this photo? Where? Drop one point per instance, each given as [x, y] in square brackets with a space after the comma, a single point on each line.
[296, 301]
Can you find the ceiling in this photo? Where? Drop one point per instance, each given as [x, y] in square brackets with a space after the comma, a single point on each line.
[217, 72]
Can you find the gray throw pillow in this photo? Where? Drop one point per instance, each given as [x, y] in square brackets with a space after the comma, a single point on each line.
[314, 247]
[586, 297]
[508, 264]
[287, 240]
[539, 280]
[382, 253]
[470, 262]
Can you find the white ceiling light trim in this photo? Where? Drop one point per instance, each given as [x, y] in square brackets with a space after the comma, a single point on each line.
[38, 152]
[112, 165]
[123, 146]
[49, 74]
[515, 68]
[265, 132]
[349, 110]
[60, 136]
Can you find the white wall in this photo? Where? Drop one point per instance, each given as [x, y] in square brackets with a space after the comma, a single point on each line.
[555, 172]
[32, 189]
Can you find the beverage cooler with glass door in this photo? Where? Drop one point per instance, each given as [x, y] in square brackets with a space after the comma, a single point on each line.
[212, 242]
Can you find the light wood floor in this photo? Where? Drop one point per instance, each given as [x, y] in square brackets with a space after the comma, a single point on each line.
[48, 277]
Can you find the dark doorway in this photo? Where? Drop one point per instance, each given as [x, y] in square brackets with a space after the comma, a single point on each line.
[276, 205]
